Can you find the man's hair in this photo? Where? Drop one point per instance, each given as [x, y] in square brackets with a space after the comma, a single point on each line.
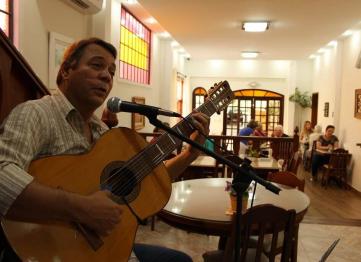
[252, 124]
[75, 51]
[329, 126]
[279, 127]
[318, 129]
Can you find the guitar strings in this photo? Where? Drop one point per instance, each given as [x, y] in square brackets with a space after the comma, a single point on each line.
[133, 163]
[144, 170]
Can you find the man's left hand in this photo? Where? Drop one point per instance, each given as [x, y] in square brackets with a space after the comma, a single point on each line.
[201, 122]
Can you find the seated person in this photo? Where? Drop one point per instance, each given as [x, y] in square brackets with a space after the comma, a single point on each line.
[258, 131]
[305, 137]
[317, 132]
[325, 143]
[246, 131]
[278, 131]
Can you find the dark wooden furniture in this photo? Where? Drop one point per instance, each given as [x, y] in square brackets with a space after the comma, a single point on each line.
[337, 167]
[287, 178]
[294, 163]
[200, 205]
[265, 221]
[18, 83]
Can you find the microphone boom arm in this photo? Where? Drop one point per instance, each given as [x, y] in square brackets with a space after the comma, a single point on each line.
[244, 169]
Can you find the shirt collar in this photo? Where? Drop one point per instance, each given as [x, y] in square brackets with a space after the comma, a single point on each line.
[67, 108]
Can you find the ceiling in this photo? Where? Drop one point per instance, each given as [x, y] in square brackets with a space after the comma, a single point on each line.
[211, 29]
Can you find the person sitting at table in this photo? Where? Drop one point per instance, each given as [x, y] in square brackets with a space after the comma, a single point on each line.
[258, 131]
[246, 131]
[325, 144]
[305, 137]
[278, 131]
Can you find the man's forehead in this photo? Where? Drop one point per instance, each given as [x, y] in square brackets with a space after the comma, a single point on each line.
[93, 50]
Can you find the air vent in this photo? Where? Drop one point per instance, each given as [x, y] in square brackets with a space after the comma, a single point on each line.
[86, 6]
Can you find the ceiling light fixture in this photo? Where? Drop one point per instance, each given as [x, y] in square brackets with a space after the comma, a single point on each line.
[255, 26]
[132, 2]
[248, 54]
[165, 35]
[150, 20]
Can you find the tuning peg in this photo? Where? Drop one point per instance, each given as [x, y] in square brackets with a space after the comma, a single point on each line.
[218, 112]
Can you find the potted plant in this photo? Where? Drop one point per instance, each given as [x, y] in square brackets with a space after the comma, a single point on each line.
[301, 98]
[233, 198]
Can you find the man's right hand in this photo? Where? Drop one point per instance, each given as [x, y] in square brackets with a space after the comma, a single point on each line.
[98, 212]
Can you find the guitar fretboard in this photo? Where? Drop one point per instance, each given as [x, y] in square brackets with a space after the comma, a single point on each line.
[151, 156]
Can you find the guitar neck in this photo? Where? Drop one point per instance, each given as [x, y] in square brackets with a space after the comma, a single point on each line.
[154, 154]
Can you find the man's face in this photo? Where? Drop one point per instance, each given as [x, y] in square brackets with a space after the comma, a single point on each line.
[278, 132]
[329, 132]
[89, 82]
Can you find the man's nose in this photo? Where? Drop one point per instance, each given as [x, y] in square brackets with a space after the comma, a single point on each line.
[106, 75]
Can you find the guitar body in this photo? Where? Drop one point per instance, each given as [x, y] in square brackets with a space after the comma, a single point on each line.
[54, 241]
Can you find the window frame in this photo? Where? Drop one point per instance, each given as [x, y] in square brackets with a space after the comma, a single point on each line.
[268, 95]
[134, 70]
[10, 14]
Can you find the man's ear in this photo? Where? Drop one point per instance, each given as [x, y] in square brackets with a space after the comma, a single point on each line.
[65, 70]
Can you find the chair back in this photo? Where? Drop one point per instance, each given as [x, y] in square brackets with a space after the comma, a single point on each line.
[294, 163]
[338, 161]
[287, 178]
[263, 220]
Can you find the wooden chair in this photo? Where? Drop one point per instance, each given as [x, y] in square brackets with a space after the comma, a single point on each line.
[294, 163]
[259, 220]
[337, 167]
[283, 150]
[287, 178]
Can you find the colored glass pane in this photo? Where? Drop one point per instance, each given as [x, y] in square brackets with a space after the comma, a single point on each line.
[134, 49]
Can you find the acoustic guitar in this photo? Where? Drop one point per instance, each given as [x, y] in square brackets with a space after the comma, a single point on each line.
[120, 161]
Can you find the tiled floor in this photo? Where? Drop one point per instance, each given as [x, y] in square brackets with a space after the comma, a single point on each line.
[314, 239]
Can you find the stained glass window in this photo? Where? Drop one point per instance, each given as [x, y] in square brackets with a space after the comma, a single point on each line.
[134, 55]
[6, 17]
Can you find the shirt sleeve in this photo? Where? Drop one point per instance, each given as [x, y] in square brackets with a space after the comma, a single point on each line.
[21, 137]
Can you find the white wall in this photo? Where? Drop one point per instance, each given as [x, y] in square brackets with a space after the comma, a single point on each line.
[277, 76]
[39, 17]
[336, 79]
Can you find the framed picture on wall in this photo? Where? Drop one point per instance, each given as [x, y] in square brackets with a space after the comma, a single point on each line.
[138, 120]
[57, 45]
[326, 109]
[358, 103]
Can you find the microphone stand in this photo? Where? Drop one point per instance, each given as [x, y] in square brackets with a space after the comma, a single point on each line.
[243, 175]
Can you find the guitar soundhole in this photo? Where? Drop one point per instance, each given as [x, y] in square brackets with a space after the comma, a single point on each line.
[120, 181]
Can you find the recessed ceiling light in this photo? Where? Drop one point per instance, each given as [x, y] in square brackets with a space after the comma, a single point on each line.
[165, 34]
[255, 26]
[347, 33]
[132, 2]
[248, 54]
[150, 20]
[333, 43]
[174, 44]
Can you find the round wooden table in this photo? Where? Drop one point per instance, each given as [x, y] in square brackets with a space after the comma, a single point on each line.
[199, 205]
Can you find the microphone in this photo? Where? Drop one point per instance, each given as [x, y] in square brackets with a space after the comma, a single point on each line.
[116, 105]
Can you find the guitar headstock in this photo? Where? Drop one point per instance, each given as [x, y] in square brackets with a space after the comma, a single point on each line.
[220, 95]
